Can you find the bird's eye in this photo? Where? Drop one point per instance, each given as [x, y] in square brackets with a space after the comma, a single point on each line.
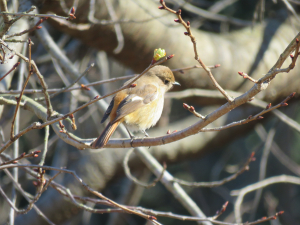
[166, 81]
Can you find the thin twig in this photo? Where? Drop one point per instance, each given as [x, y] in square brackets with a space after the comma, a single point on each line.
[34, 15]
[131, 177]
[63, 190]
[291, 9]
[12, 69]
[16, 143]
[277, 152]
[89, 189]
[193, 40]
[261, 184]
[45, 150]
[7, 20]
[192, 110]
[39, 75]
[65, 89]
[36, 26]
[295, 46]
[262, 170]
[18, 186]
[35, 125]
[20, 97]
[34, 91]
[258, 116]
[22, 156]
[216, 94]
[217, 183]
[117, 27]
[181, 70]
[210, 15]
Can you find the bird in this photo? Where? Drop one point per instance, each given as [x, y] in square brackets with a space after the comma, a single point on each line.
[139, 106]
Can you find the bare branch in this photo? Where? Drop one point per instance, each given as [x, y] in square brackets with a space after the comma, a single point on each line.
[261, 184]
[136, 181]
[217, 183]
[193, 40]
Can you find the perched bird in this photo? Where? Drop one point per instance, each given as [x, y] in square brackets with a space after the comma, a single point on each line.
[140, 106]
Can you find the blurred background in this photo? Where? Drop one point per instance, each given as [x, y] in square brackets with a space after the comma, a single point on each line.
[120, 37]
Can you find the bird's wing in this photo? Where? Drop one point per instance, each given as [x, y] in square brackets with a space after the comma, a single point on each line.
[132, 102]
[108, 111]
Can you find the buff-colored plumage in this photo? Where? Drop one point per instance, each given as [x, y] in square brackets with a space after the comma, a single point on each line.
[139, 107]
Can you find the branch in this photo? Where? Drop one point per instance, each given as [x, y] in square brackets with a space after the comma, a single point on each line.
[261, 184]
[251, 118]
[65, 89]
[193, 40]
[60, 90]
[12, 69]
[217, 183]
[39, 75]
[89, 189]
[216, 94]
[20, 97]
[132, 178]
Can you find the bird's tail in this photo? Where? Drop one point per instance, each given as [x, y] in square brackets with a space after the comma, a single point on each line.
[105, 135]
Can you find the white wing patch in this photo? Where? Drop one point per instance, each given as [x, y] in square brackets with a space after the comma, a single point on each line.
[137, 98]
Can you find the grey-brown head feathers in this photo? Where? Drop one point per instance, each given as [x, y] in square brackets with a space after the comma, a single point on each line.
[164, 74]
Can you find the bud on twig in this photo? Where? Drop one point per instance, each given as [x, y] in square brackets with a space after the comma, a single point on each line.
[61, 125]
[158, 54]
[224, 207]
[186, 106]
[281, 212]
[17, 64]
[170, 56]
[152, 218]
[292, 95]
[85, 87]
[72, 11]
[269, 106]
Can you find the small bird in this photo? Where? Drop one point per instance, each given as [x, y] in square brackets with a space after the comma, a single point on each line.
[140, 106]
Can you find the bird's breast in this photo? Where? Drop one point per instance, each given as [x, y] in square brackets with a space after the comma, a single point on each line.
[146, 116]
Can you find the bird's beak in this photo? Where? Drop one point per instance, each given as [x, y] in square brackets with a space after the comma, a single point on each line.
[176, 83]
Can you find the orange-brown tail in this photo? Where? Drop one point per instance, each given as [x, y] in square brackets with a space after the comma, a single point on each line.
[105, 135]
